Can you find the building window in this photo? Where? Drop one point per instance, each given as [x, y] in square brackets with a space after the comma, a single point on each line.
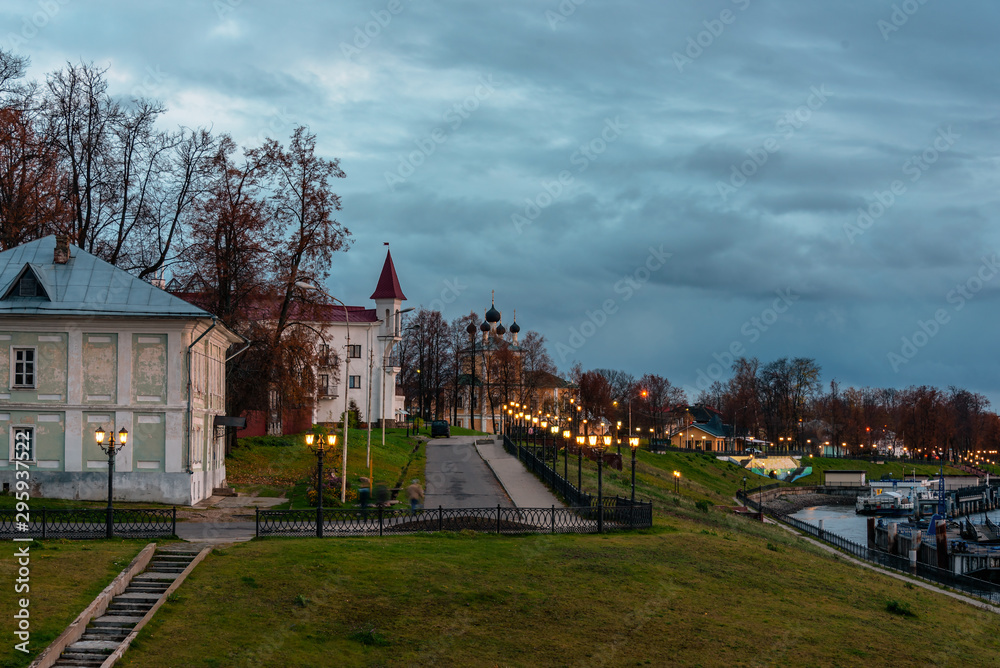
[324, 384]
[355, 382]
[28, 286]
[354, 352]
[324, 354]
[24, 367]
[23, 444]
[460, 402]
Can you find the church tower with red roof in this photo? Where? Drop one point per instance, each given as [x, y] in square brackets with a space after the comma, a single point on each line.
[388, 298]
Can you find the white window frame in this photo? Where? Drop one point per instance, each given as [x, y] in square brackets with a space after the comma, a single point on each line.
[351, 349]
[351, 383]
[14, 350]
[323, 381]
[33, 441]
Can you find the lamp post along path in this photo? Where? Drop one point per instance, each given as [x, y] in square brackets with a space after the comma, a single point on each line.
[111, 450]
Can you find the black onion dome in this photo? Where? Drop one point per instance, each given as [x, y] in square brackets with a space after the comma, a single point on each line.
[514, 327]
[485, 327]
[493, 315]
[471, 329]
[501, 330]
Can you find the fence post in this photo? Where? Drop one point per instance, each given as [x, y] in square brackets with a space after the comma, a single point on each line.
[43, 523]
[110, 522]
[440, 518]
[380, 519]
[173, 522]
[553, 518]
[498, 519]
[256, 530]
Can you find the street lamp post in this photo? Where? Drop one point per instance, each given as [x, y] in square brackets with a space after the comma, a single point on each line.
[677, 482]
[579, 462]
[565, 436]
[600, 444]
[347, 380]
[633, 443]
[318, 446]
[111, 449]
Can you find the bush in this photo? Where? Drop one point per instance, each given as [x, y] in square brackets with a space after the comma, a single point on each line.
[702, 505]
[899, 608]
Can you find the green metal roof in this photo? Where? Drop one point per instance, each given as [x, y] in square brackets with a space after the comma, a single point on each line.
[85, 285]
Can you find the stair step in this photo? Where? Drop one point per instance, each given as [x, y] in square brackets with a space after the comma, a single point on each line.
[81, 657]
[93, 647]
[138, 596]
[154, 577]
[118, 621]
[129, 606]
[78, 663]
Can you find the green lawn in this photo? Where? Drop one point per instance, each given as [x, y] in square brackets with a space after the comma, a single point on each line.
[685, 593]
[285, 465]
[65, 577]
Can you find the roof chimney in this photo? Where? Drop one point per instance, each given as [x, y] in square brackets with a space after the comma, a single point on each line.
[61, 253]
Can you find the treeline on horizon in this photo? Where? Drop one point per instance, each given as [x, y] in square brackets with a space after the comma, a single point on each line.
[786, 400]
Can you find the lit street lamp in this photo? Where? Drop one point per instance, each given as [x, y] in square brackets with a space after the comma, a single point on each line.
[579, 461]
[677, 482]
[633, 442]
[320, 449]
[604, 443]
[111, 449]
[565, 435]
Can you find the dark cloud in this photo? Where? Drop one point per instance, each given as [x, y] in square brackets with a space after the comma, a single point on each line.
[829, 106]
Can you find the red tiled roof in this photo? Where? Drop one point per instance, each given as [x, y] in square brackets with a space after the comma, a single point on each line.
[388, 283]
[268, 310]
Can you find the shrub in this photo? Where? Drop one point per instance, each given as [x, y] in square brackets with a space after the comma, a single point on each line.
[899, 608]
[703, 505]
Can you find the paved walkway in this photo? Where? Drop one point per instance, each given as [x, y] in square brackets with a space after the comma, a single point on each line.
[523, 487]
[457, 477]
[216, 532]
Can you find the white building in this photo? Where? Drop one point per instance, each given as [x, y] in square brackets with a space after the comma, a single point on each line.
[84, 345]
[356, 355]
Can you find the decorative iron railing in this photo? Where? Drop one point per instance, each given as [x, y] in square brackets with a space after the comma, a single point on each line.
[88, 523]
[975, 586]
[380, 521]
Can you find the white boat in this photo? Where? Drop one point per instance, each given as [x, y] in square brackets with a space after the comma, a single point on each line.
[892, 504]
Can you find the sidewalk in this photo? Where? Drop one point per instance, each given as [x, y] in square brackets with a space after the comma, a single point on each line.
[523, 488]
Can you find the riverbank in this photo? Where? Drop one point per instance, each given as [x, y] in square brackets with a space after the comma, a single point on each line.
[792, 503]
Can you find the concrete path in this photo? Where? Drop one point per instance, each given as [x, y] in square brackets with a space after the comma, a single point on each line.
[457, 477]
[523, 487]
[216, 532]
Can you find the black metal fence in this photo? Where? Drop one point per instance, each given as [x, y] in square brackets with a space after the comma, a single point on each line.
[966, 583]
[88, 523]
[380, 521]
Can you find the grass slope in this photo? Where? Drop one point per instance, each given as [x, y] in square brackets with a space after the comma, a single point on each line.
[685, 593]
[65, 577]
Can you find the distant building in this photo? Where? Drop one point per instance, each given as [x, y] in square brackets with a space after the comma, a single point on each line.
[354, 352]
[493, 375]
[84, 345]
[701, 428]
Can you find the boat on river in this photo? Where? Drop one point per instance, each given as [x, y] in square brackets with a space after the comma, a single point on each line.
[884, 504]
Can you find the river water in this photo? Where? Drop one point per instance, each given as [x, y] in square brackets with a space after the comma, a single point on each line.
[843, 521]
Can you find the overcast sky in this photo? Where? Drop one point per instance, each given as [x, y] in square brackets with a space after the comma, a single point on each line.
[651, 185]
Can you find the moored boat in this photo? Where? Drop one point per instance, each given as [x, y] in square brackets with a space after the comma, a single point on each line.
[892, 504]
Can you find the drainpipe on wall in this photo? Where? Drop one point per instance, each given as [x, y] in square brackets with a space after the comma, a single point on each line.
[190, 409]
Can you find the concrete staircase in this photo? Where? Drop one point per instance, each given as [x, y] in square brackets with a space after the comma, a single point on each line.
[106, 633]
